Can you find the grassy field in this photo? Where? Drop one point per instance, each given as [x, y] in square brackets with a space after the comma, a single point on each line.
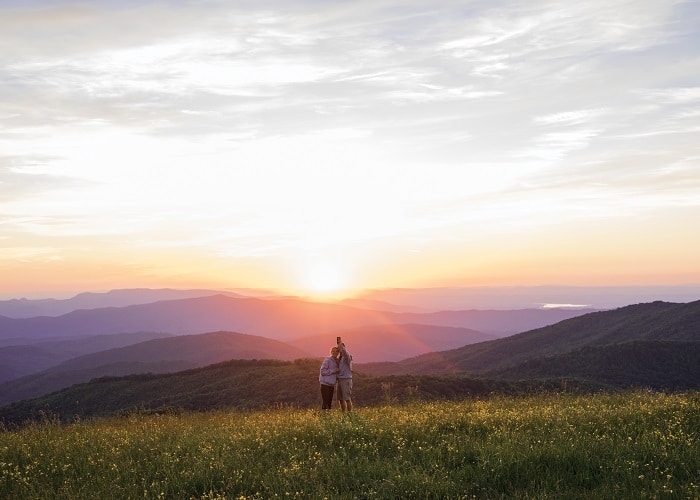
[632, 445]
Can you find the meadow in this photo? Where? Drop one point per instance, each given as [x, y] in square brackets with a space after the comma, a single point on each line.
[636, 444]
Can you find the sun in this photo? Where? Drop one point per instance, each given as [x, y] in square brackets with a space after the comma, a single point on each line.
[324, 279]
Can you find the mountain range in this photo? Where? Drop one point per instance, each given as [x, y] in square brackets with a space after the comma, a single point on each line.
[281, 319]
[174, 353]
[37, 353]
[656, 321]
[655, 345]
[23, 359]
[529, 297]
[29, 308]
[159, 355]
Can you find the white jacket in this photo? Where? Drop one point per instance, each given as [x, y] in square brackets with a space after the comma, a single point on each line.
[329, 371]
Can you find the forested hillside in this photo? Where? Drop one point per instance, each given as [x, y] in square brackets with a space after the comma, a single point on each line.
[660, 321]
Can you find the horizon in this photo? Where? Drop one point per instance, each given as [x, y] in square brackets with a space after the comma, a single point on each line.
[427, 299]
[320, 150]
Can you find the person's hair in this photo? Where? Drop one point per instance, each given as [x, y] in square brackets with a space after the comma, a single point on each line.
[334, 348]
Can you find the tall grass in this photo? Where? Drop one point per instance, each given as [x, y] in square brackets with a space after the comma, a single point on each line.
[633, 445]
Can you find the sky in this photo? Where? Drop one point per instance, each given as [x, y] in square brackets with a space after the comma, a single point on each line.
[323, 146]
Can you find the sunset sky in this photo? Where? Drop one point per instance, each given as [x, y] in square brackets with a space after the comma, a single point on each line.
[303, 146]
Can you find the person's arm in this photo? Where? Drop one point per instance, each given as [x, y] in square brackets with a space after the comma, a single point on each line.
[327, 367]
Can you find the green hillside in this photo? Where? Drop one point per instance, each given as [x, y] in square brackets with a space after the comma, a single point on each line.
[40, 384]
[653, 364]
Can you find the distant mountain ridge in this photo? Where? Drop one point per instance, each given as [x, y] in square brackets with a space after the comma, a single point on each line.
[529, 297]
[29, 308]
[281, 319]
[393, 342]
[397, 300]
[201, 349]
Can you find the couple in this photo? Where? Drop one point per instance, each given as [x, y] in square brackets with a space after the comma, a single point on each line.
[337, 367]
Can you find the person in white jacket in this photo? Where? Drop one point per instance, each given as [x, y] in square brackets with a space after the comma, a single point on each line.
[328, 377]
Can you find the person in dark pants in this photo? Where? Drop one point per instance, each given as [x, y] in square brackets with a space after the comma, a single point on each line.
[328, 377]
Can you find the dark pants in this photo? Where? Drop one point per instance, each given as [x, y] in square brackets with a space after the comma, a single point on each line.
[327, 395]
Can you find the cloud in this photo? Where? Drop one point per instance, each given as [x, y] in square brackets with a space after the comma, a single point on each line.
[19, 182]
[228, 125]
[575, 117]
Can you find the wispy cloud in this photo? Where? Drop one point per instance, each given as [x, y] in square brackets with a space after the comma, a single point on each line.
[574, 117]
